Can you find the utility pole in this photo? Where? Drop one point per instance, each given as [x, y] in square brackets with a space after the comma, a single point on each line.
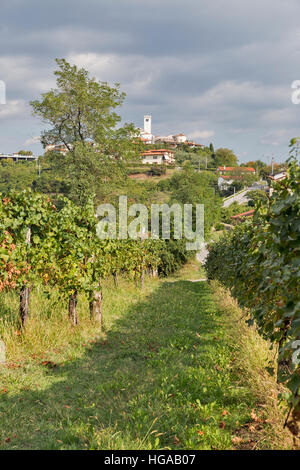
[272, 166]
[38, 167]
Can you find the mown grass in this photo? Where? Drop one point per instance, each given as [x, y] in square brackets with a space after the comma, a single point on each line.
[161, 374]
[251, 357]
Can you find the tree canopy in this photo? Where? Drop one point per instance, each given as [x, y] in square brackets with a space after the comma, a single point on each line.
[80, 114]
[226, 157]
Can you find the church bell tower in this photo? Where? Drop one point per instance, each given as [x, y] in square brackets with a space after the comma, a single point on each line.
[147, 124]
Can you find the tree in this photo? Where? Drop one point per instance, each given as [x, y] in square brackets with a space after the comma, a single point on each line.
[199, 157]
[258, 165]
[226, 157]
[25, 152]
[256, 196]
[266, 171]
[17, 175]
[80, 113]
[213, 155]
[191, 187]
[244, 177]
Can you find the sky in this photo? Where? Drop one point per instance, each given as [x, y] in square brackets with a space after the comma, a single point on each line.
[217, 70]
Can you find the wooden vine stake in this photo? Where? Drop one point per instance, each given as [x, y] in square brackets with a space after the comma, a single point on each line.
[142, 278]
[72, 308]
[96, 306]
[143, 236]
[25, 292]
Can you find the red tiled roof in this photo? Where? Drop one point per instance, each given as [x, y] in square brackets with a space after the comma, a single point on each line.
[243, 214]
[157, 151]
[233, 168]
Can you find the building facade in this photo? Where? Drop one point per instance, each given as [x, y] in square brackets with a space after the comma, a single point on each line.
[158, 157]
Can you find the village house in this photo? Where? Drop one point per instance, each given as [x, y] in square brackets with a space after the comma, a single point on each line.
[227, 174]
[241, 217]
[277, 179]
[61, 148]
[17, 157]
[176, 141]
[224, 182]
[158, 156]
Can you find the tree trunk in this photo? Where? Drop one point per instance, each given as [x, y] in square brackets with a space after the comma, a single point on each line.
[72, 308]
[116, 279]
[96, 307]
[24, 305]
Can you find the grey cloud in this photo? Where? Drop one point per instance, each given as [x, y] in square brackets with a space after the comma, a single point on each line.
[198, 66]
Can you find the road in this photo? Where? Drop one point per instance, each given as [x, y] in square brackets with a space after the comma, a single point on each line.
[241, 197]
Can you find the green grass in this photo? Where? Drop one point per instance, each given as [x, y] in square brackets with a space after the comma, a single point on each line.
[160, 375]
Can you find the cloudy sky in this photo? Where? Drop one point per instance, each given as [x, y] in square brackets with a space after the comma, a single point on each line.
[217, 70]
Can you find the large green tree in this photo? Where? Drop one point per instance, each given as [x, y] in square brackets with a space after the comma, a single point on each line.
[226, 157]
[190, 187]
[16, 176]
[80, 113]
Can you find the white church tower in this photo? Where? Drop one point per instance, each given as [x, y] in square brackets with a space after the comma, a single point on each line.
[145, 133]
[147, 124]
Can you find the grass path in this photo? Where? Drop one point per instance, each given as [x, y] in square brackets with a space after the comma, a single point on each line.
[161, 376]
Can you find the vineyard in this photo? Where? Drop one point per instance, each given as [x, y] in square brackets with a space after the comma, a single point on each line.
[173, 367]
[170, 344]
[259, 262]
[56, 246]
